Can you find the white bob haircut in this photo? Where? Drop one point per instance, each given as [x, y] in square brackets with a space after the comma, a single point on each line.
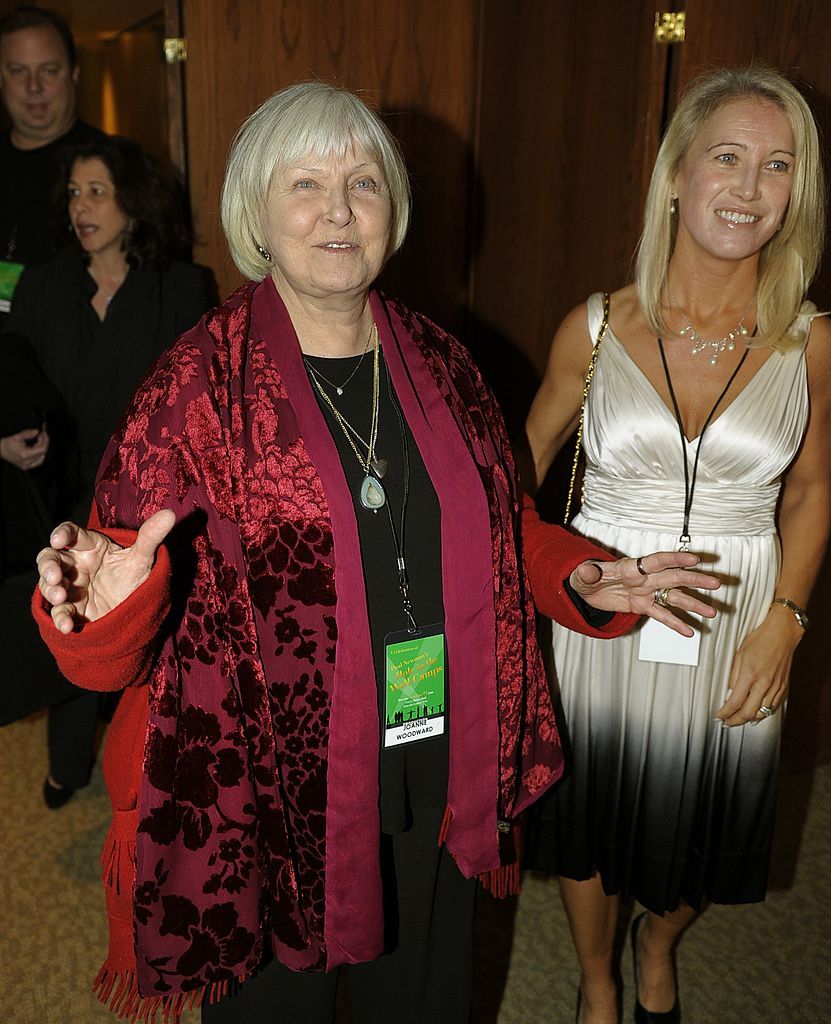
[311, 119]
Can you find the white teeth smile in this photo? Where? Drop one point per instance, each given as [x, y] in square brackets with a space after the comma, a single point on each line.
[737, 218]
[338, 245]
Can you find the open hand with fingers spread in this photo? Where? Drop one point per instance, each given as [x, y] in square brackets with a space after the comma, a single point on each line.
[84, 574]
[650, 585]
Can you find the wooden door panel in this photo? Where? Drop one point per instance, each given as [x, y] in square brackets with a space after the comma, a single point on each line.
[568, 114]
[414, 59]
[791, 35]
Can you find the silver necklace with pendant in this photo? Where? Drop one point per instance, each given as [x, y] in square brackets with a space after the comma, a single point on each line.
[716, 346]
[373, 495]
[339, 388]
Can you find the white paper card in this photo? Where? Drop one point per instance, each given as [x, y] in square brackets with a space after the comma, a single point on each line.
[660, 643]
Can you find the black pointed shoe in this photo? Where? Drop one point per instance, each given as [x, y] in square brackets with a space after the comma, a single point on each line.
[56, 796]
[641, 1014]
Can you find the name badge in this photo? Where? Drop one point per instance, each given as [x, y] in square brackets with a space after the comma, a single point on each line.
[660, 643]
[9, 276]
[414, 707]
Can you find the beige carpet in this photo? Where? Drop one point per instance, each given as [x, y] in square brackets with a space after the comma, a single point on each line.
[764, 964]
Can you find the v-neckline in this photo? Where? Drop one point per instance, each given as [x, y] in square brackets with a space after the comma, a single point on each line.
[659, 398]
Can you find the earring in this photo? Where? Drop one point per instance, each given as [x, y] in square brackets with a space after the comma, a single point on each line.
[673, 207]
[266, 255]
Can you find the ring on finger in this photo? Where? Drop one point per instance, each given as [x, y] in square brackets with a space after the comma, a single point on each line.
[766, 711]
[661, 597]
[639, 564]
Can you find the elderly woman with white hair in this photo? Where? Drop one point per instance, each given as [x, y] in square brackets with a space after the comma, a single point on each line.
[345, 703]
[706, 427]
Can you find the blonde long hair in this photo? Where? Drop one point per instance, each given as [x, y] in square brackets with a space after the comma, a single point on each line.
[788, 260]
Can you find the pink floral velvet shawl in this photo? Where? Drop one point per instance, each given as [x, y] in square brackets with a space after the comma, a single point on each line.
[258, 812]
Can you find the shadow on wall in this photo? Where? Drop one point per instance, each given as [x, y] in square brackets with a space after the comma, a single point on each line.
[433, 271]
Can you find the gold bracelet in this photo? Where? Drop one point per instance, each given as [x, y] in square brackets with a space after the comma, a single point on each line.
[800, 614]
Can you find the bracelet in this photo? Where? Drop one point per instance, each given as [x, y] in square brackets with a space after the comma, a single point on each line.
[800, 614]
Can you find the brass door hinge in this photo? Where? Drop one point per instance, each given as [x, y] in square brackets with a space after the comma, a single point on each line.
[176, 49]
[670, 28]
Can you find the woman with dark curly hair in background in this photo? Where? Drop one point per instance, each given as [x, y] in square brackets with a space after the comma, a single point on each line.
[86, 326]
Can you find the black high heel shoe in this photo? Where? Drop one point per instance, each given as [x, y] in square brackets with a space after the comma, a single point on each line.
[642, 1015]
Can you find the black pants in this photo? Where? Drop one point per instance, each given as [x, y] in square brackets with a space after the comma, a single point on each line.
[425, 978]
[71, 726]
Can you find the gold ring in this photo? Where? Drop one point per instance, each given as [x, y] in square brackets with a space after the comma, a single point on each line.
[661, 597]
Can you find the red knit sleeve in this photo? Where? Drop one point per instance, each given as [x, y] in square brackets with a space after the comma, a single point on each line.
[552, 553]
[116, 650]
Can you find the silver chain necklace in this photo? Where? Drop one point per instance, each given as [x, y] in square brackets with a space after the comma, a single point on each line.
[339, 387]
[373, 496]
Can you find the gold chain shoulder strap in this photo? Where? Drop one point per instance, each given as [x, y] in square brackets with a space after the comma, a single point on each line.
[586, 387]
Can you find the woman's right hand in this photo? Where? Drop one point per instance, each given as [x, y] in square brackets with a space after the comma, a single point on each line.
[27, 449]
[84, 574]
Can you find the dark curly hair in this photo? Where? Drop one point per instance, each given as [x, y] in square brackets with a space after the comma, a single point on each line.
[146, 191]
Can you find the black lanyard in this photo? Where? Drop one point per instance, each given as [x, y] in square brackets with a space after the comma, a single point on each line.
[398, 537]
[689, 484]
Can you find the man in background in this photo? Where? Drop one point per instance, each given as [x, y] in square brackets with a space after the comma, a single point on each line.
[38, 85]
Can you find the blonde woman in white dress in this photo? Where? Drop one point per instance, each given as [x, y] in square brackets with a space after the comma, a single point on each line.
[713, 359]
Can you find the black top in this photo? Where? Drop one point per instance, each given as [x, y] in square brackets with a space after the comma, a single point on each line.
[413, 774]
[28, 212]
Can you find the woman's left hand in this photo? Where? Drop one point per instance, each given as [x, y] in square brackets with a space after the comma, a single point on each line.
[761, 671]
[631, 585]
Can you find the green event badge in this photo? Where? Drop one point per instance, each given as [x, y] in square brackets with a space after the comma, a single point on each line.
[9, 276]
[415, 685]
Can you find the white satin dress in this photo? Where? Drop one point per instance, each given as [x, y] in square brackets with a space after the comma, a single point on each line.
[662, 799]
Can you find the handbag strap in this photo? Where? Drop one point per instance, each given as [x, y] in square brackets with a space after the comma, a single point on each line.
[586, 388]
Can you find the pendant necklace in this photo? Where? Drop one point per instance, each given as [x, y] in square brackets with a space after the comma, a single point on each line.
[339, 387]
[373, 496]
[716, 346]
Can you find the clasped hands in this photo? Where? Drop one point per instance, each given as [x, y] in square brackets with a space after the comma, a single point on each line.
[27, 449]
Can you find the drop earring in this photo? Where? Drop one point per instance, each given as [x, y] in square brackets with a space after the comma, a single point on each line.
[266, 255]
[673, 205]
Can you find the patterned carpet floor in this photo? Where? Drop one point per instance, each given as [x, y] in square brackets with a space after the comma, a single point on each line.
[768, 963]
